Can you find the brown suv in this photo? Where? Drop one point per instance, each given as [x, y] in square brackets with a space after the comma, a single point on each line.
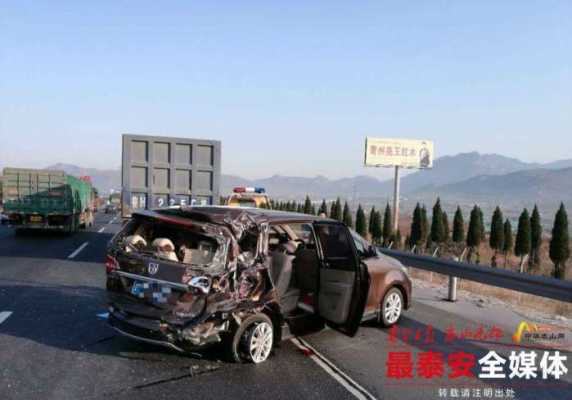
[189, 277]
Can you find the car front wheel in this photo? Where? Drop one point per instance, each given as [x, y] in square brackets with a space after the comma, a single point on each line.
[391, 307]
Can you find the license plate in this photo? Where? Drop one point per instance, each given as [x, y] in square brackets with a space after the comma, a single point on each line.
[35, 218]
[151, 291]
[138, 289]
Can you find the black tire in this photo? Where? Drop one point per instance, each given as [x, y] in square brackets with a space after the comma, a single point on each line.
[237, 342]
[391, 300]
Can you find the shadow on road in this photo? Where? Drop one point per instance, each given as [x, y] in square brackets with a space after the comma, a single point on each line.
[66, 318]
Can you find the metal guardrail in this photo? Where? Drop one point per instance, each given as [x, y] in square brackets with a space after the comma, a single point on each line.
[536, 285]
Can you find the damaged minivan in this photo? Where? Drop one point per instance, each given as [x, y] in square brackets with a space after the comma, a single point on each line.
[245, 279]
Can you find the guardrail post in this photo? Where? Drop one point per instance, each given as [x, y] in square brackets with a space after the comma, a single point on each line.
[453, 280]
[452, 288]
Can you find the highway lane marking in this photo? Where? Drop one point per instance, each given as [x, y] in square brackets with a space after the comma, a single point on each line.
[358, 391]
[78, 250]
[4, 315]
[101, 230]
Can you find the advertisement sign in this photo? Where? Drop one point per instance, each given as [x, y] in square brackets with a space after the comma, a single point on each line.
[405, 153]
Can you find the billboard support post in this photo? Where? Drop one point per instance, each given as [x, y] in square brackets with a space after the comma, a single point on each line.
[396, 200]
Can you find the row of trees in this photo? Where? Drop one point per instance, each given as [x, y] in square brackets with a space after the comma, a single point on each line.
[428, 235]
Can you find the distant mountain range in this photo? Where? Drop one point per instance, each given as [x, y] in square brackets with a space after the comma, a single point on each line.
[465, 166]
[538, 184]
[466, 176]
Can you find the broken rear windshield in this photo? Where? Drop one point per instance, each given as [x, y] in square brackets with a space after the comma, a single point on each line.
[170, 242]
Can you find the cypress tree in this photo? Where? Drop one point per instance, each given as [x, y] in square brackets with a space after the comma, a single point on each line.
[299, 208]
[339, 209]
[446, 229]
[323, 208]
[336, 210]
[371, 221]
[387, 225]
[496, 238]
[508, 241]
[397, 240]
[376, 231]
[361, 227]
[560, 243]
[535, 238]
[307, 205]
[347, 216]
[482, 225]
[416, 234]
[424, 225]
[458, 226]
[522, 242]
[437, 229]
[474, 233]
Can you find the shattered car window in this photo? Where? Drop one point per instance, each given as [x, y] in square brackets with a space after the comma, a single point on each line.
[167, 242]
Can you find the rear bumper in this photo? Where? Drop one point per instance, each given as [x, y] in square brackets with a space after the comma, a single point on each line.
[142, 331]
[46, 222]
[156, 331]
[39, 227]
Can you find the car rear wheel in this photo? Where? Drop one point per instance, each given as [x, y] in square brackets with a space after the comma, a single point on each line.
[391, 307]
[252, 341]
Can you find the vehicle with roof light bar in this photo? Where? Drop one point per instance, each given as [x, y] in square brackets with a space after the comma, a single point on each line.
[248, 197]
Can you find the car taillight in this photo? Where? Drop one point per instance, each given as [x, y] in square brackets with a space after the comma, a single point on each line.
[111, 264]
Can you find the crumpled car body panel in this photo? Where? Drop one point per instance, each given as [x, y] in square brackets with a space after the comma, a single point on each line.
[189, 306]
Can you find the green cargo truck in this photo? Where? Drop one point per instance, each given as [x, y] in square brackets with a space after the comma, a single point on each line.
[45, 199]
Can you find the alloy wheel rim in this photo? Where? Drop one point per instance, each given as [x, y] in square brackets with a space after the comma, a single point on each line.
[392, 309]
[261, 342]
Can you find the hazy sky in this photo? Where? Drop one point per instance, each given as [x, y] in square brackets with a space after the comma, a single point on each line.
[289, 87]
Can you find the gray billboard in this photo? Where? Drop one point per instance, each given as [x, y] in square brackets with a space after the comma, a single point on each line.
[165, 171]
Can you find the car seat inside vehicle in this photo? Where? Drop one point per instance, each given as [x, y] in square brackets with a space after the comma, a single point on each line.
[281, 273]
[293, 267]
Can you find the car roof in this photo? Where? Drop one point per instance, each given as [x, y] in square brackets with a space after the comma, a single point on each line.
[222, 214]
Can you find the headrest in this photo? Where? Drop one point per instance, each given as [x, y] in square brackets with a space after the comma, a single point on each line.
[136, 240]
[163, 244]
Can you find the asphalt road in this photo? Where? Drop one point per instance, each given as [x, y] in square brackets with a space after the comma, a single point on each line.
[54, 343]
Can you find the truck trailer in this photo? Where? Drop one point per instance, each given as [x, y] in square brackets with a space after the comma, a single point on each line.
[46, 200]
[162, 172]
